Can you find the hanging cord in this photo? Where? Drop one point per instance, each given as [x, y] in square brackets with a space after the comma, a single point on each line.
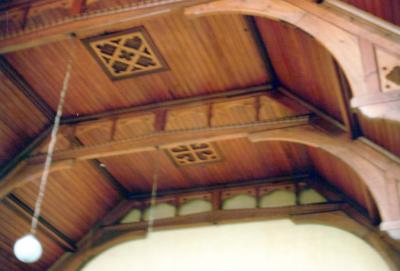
[50, 150]
[153, 200]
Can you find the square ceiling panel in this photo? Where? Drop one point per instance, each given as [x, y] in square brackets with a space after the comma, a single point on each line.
[126, 54]
[194, 154]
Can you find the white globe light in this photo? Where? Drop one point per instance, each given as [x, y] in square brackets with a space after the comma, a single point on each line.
[28, 249]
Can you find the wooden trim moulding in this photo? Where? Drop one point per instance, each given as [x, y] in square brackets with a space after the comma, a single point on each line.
[290, 178]
[152, 141]
[170, 104]
[77, 25]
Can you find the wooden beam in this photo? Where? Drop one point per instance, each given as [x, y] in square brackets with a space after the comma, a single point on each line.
[97, 165]
[151, 141]
[172, 104]
[380, 149]
[239, 184]
[378, 98]
[28, 174]
[355, 21]
[365, 216]
[122, 191]
[313, 109]
[20, 207]
[16, 78]
[9, 168]
[262, 49]
[370, 65]
[363, 16]
[99, 21]
[348, 115]
[373, 168]
[77, 7]
[227, 216]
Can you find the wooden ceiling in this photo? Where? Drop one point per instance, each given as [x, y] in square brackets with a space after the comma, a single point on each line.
[227, 76]
[204, 56]
[388, 10]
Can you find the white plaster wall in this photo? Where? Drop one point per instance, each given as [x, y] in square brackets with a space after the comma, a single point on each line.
[274, 246]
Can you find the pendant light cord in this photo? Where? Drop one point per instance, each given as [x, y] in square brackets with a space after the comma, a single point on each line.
[153, 199]
[50, 150]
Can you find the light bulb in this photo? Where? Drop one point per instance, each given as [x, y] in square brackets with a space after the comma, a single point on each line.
[28, 249]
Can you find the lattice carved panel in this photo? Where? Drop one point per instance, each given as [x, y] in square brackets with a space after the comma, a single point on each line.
[126, 54]
[194, 154]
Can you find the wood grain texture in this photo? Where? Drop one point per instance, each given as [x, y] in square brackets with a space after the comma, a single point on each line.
[342, 177]
[205, 56]
[384, 132]
[75, 199]
[241, 160]
[388, 10]
[303, 65]
[20, 120]
[14, 226]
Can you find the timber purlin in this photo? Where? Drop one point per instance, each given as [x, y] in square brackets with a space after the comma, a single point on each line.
[64, 241]
[25, 88]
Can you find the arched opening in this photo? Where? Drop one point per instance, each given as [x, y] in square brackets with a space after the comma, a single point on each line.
[275, 245]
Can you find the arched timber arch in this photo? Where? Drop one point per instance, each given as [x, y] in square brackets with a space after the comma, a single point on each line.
[341, 44]
[375, 170]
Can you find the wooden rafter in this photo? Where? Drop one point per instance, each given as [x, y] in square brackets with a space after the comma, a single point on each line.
[21, 208]
[326, 117]
[29, 173]
[13, 75]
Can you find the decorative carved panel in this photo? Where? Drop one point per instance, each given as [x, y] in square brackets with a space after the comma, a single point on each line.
[389, 70]
[126, 54]
[193, 154]
[134, 126]
[234, 112]
[96, 132]
[187, 118]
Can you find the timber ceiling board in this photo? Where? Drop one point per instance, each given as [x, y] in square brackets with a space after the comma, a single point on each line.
[75, 199]
[105, 4]
[383, 132]
[12, 227]
[388, 10]
[342, 177]
[20, 120]
[242, 160]
[302, 65]
[204, 56]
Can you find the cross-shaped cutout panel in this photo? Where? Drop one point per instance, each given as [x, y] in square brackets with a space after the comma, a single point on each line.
[126, 54]
[194, 154]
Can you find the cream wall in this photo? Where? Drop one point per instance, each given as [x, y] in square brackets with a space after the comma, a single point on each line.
[274, 246]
